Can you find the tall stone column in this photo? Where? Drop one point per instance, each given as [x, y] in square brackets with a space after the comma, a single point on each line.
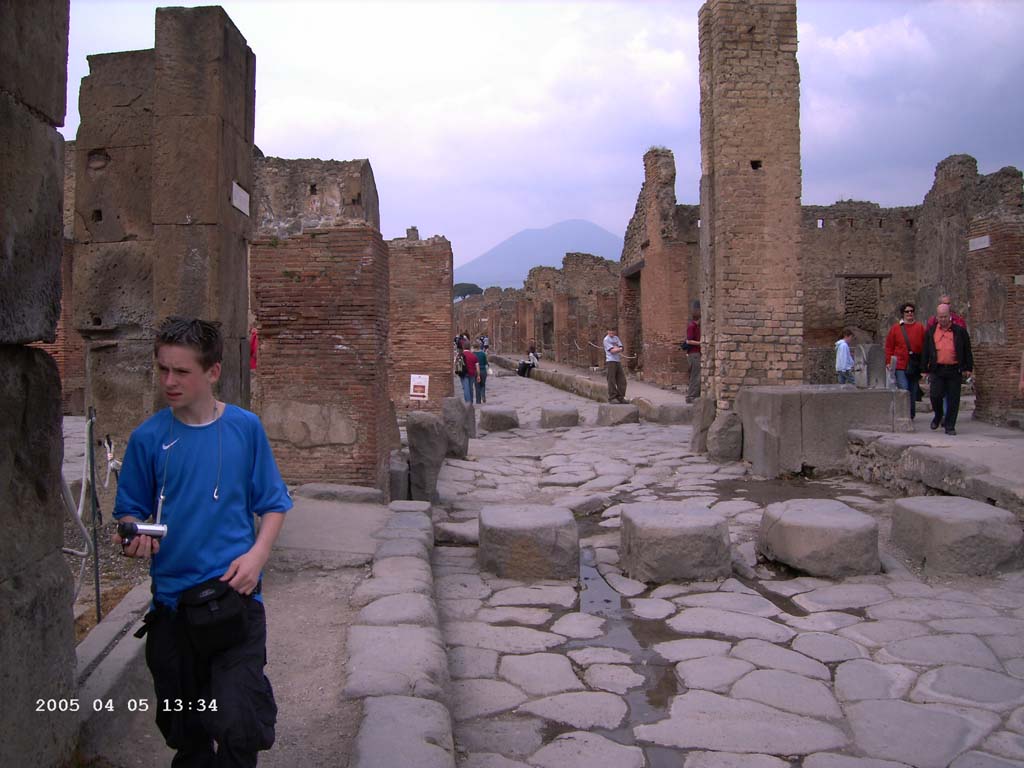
[750, 196]
[36, 629]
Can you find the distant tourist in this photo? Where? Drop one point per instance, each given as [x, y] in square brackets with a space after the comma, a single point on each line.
[481, 379]
[844, 358]
[692, 348]
[947, 359]
[957, 319]
[613, 367]
[470, 371]
[905, 342]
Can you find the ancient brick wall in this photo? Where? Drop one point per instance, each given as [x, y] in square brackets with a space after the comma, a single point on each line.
[293, 195]
[420, 340]
[995, 289]
[321, 305]
[37, 643]
[67, 348]
[164, 146]
[750, 196]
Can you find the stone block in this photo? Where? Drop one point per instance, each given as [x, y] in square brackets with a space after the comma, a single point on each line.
[186, 157]
[554, 416]
[496, 419]
[423, 738]
[955, 535]
[398, 476]
[404, 660]
[771, 429]
[115, 101]
[666, 541]
[121, 386]
[31, 186]
[351, 494]
[113, 193]
[822, 537]
[453, 411]
[113, 287]
[703, 416]
[529, 541]
[308, 425]
[869, 366]
[34, 57]
[725, 437]
[428, 445]
[611, 415]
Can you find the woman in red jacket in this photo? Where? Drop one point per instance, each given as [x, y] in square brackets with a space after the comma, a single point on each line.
[905, 342]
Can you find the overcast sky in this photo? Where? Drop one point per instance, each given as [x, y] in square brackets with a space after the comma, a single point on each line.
[482, 118]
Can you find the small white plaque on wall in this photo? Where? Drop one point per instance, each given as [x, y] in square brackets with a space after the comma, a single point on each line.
[977, 243]
[419, 386]
[239, 198]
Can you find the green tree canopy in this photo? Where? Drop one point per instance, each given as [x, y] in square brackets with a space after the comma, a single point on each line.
[462, 290]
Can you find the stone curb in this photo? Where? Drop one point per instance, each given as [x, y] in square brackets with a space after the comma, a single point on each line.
[397, 663]
[915, 469]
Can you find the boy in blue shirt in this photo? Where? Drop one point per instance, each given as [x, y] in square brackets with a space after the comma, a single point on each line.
[204, 469]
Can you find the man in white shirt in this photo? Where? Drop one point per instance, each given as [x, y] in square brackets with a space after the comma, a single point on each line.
[613, 367]
[844, 358]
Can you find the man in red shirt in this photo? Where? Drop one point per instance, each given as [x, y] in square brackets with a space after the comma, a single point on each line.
[472, 374]
[956, 319]
[905, 342]
[947, 359]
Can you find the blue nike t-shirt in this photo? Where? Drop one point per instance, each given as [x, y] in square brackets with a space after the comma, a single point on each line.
[214, 479]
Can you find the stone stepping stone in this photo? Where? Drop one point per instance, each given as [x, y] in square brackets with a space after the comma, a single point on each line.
[587, 750]
[651, 608]
[466, 532]
[822, 537]
[578, 625]
[612, 415]
[477, 698]
[712, 673]
[502, 639]
[842, 596]
[540, 674]
[827, 648]
[970, 687]
[705, 720]
[956, 535]
[529, 542]
[616, 678]
[863, 679]
[599, 655]
[940, 649]
[555, 416]
[702, 621]
[515, 736]
[683, 650]
[623, 585]
[877, 633]
[672, 540]
[925, 609]
[400, 609]
[423, 740]
[494, 418]
[580, 710]
[922, 735]
[788, 691]
[530, 616]
[464, 661]
[773, 657]
[755, 605]
[403, 660]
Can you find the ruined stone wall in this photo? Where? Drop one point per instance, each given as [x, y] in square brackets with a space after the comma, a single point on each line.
[293, 195]
[321, 305]
[36, 623]
[578, 311]
[750, 196]
[68, 349]
[421, 334]
[995, 289]
[164, 145]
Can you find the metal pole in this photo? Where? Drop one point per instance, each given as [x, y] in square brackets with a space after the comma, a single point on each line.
[94, 504]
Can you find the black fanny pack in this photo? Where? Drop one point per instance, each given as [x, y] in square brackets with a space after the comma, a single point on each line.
[216, 616]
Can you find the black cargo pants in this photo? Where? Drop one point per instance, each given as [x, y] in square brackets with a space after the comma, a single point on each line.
[217, 712]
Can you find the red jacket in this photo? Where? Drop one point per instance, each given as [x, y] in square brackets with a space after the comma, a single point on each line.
[471, 363]
[895, 345]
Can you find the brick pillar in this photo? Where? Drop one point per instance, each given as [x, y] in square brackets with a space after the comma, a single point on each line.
[321, 305]
[750, 196]
[420, 340]
[995, 283]
[165, 138]
[36, 626]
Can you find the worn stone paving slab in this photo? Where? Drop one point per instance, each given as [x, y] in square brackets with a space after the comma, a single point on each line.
[580, 710]
[683, 650]
[578, 625]
[755, 605]
[598, 655]
[702, 621]
[827, 648]
[465, 661]
[712, 673]
[540, 674]
[503, 639]
[832, 760]
[564, 597]
[489, 760]
[533, 617]
[473, 698]
[970, 687]
[651, 608]
[864, 679]
[825, 621]
[940, 649]
[983, 760]
[877, 633]
[789, 692]
[842, 596]
[616, 678]
[515, 736]
[772, 656]
[926, 609]
[587, 750]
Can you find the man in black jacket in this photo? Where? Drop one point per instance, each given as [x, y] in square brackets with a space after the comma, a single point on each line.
[946, 359]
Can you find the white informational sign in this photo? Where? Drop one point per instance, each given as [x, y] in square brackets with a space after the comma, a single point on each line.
[977, 243]
[419, 386]
[239, 198]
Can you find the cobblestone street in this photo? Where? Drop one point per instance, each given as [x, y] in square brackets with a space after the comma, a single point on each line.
[762, 669]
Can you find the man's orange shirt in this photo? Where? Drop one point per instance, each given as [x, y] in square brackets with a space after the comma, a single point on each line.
[945, 351]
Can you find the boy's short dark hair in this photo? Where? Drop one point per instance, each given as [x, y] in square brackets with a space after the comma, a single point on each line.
[201, 335]
[847, 332]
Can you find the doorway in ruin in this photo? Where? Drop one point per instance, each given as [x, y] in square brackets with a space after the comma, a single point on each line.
[631, 329]
[547, 327]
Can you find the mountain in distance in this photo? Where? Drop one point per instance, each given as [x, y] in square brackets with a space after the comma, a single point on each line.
[507, 264]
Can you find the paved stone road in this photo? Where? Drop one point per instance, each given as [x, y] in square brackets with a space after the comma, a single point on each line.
[761, 670]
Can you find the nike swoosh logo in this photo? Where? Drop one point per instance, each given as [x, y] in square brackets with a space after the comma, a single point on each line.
[168, 445]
